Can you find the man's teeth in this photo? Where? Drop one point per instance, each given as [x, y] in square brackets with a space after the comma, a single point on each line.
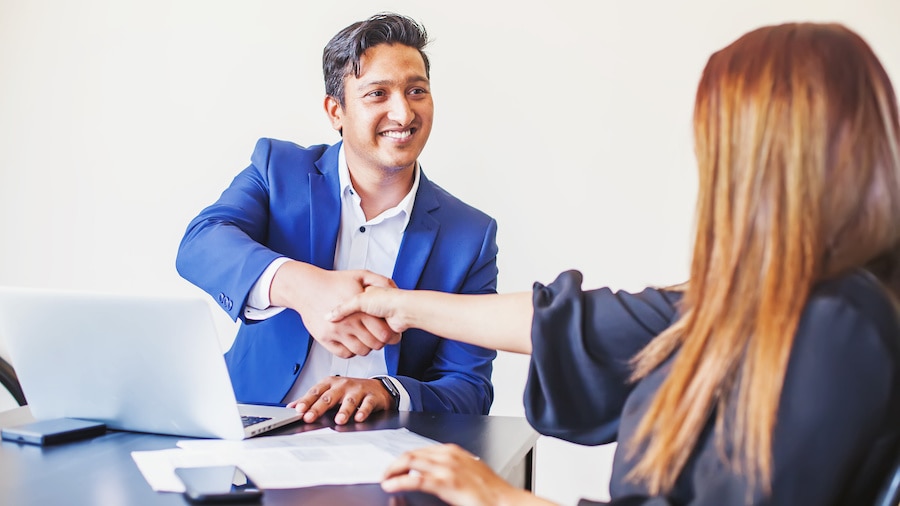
[397, 135]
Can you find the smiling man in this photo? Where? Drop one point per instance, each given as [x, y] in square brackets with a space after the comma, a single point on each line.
[303, 228]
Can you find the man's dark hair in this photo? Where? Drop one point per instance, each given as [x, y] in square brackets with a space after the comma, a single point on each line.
[343, 51]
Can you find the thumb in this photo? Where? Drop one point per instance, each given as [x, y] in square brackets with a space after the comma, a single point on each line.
[343, 310]
[372, 279]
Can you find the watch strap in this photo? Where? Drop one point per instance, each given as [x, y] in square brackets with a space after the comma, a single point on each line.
[392, 389]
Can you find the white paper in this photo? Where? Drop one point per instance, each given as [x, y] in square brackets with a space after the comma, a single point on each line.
[320, 457]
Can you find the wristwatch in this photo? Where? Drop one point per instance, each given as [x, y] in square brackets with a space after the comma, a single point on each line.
[392, 389]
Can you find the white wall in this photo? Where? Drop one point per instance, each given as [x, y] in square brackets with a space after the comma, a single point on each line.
[568, 121]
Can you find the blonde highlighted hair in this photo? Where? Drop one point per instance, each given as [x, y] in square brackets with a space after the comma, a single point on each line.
[796, 138]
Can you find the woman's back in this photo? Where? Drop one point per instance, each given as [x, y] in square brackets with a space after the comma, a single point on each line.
[838, 420]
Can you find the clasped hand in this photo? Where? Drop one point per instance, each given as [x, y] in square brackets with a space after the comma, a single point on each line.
[313, 292]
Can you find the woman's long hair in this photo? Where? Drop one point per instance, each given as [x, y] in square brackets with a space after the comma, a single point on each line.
[796, 137]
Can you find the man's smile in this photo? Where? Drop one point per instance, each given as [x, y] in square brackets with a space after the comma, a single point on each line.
[399, 135]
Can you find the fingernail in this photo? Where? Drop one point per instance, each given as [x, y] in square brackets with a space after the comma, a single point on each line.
[301, 408]
[340, 418]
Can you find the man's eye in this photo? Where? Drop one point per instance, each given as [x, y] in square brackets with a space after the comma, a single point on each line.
[418, 91]
[376, 93]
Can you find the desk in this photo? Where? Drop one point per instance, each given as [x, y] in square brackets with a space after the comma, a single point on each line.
[100, 471]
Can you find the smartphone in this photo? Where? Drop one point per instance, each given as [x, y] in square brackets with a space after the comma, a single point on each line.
[217, 484]
[53, 431]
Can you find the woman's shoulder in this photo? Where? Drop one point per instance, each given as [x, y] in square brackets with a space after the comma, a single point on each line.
[860, 297]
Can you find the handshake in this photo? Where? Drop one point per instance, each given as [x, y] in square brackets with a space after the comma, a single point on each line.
[348, 312]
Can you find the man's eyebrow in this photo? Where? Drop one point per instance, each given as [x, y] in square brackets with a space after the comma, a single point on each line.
[388, 82]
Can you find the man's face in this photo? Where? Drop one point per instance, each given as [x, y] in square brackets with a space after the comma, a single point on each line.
[387, 113]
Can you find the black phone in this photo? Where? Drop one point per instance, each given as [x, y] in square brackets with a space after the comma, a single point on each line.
[217, 484]
[53, 431]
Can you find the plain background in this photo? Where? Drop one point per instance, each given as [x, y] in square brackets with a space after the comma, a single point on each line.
[568, 121]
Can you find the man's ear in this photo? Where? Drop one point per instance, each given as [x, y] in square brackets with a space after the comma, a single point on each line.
[335, 113]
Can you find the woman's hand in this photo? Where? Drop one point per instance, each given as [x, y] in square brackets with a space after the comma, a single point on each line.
[454, 475]
[378, 301]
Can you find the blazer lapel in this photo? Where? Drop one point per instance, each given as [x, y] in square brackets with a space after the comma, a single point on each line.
[418, 241]
[324, 209]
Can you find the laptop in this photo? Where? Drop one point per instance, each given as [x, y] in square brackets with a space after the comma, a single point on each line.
[136, 363]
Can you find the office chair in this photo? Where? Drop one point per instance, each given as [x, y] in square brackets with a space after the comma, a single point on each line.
[11, 382]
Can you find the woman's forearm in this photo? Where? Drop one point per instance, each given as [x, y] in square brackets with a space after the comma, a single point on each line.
[497, 321]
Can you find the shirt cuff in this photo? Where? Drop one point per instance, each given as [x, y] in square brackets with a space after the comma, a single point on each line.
[405, 402]
[259, 307]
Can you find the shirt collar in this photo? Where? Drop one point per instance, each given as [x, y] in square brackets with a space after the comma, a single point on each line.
[404, 207]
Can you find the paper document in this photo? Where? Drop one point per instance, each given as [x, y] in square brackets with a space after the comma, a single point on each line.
[319, 457]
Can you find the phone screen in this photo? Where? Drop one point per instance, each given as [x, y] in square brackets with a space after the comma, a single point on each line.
[217, 484]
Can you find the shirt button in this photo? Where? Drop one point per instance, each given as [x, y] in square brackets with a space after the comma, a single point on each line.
[362, 229]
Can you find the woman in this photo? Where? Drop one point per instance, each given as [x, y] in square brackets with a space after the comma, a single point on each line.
[771, 377]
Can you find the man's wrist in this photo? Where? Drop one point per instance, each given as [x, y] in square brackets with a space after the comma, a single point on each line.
[388, 385]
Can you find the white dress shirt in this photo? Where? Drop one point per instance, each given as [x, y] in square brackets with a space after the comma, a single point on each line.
[372, 245]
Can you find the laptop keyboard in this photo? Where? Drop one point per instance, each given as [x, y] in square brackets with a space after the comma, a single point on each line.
[252, 420]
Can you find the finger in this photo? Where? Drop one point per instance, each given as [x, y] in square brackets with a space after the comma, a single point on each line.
[379, 332]
[369, 278]
[345, 309]
[425, 475]
[322, 403]
[354, 343]
[415, 460]
[353, 336]
[310, 397]
[403, 483]
[437, 459]
[348, 407]
[336, 348]
[399, 466]
[366, 408]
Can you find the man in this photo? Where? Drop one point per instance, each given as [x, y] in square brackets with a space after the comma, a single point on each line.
[302, 229]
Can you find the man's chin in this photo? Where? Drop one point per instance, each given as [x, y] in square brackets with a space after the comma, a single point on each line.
[397, 167]
[401, 162]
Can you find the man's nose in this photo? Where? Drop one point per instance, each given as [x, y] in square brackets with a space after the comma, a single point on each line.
[400, 111]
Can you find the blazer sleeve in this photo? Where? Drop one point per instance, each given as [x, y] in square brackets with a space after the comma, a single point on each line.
[458, 378]
[223, 250]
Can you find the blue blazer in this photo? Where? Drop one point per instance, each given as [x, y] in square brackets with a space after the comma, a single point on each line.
[287, 203]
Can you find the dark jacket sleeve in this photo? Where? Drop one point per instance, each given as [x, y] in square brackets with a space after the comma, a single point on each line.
[582, 344]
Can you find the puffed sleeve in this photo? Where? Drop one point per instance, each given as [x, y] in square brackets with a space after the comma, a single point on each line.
[582, 343]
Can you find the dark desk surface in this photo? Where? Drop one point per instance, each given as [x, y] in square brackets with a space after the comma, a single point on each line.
[100, 471]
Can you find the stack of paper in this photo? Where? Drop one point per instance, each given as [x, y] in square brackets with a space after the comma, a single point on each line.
[319, 457]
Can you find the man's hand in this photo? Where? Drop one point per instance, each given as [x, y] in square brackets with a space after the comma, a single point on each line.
[357, 397]
[313, 292]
